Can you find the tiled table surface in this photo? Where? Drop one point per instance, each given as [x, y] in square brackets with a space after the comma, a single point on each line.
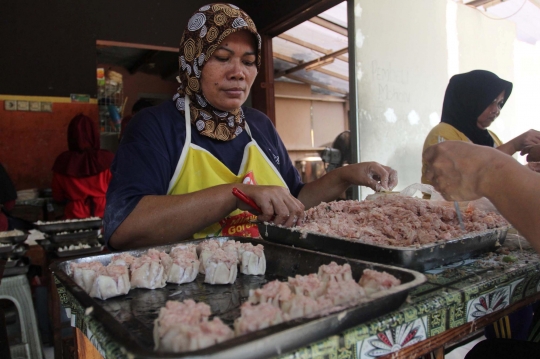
[453, 295]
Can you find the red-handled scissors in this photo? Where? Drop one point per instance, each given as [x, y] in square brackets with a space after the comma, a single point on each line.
[246, 199]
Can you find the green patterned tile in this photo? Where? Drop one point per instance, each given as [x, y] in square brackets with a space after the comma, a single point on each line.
[324, 349]
[457, 315]
[421, 289]
[436, 322]
[533, 285]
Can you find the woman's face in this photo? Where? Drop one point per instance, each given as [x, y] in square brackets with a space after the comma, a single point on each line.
[227, 77]
[490, 113]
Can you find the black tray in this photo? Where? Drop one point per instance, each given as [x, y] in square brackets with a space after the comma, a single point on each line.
[6, 250]
[52, 248]
[73, 237]
[14, 239]
[69, 226]
[419, 258]
[20, 266]
[129, 319]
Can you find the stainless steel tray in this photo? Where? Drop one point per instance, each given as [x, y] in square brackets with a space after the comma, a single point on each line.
[69, 226]
[418, 258]
[129, 319]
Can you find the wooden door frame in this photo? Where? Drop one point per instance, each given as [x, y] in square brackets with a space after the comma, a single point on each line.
[262, 92]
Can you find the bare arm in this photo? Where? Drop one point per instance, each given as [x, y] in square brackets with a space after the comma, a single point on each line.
[330, 186]
[462, 171]
[158, 220]
[521, 142]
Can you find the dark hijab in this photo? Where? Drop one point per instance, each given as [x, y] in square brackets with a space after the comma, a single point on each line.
[84, 157]
[467, 96]
[204, 32]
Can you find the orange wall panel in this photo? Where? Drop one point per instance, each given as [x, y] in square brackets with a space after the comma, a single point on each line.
[31, 141]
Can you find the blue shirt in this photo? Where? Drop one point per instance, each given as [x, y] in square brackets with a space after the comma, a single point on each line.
[151, 147]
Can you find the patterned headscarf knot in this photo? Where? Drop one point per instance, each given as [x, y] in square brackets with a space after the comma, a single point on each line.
[205, 31]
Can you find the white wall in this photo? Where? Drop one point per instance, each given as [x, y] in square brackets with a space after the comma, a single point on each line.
[406, 51]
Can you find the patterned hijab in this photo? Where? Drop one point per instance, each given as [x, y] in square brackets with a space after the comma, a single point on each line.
[205, 31]
[467, 96]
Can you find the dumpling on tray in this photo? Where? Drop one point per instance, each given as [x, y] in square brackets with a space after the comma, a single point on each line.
[221, 268]
[111, 281]
[334, 271]
[189, 247]
[123, 259]
[255, 317]
[205, 249]
[85, 273]
[309, 285]
[184, 326]
[373, 281]
[185, 266]
[300, 306]
[149, 270]
[185, 337]
[252, 260]
[275, 293]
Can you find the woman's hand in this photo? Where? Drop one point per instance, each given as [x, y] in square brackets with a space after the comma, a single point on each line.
[526, 140]
[372, 175]
[458, 169]
[277, 204]
[532, 152]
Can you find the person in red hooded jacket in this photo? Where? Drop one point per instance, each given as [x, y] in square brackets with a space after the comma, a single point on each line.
[81, 175]
[8, 195]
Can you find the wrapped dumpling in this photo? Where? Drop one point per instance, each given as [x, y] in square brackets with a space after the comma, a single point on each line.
[185, 266]
[111, 281]
[185, 338]
[333, 271]
[252, 259]
[232, 247]
[205, 249]
[373, 281]
[300, 306]
[308, 285]
[85, 273]
[122, 259]
[344, 292]
[148, 271]
[221, 268]
[189, 247]
[255, 317]
[274, 293]
[172, 316]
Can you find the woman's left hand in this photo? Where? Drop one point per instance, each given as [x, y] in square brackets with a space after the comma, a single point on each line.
[532, 152]
[373, 175]
[525, 140]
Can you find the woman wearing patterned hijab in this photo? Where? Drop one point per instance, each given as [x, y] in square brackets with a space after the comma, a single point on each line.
[177, 164]
[472, 101]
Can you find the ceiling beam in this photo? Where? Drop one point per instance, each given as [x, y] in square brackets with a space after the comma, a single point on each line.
[136, 46]
[301, 14]
[478, 3]
[142, 60]
[298, 62]
[329, 25]
[310, 46]
[321, 60]
[313, 83]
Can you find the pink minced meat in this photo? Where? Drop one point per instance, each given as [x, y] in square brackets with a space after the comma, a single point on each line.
[373, 281]
[396, 220]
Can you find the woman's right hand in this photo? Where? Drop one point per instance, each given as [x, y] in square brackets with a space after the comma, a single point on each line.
[276, 202]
